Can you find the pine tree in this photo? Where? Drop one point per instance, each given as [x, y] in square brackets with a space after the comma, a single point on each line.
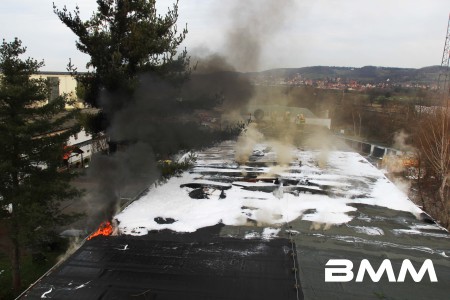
[124, 39]
[32, 137]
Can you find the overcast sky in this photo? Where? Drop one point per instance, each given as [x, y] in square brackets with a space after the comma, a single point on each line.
[262, 34]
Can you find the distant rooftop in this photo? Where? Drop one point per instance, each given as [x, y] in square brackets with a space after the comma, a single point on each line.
[281, 109]
[58, 73]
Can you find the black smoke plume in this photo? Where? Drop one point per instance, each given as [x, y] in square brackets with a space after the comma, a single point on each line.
[159, 118]
[154, 123]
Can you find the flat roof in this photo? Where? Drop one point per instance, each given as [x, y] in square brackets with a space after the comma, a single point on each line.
[225, 230]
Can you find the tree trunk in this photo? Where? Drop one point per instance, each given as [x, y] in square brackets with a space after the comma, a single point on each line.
[354, 123]
[420, 185]
[443, 199]
[14, 229]
[15, 264]
[360, 124]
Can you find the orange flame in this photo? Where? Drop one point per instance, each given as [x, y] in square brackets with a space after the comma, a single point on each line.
[104, 229]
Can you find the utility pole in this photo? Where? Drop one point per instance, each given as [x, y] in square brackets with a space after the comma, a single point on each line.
[444, 74]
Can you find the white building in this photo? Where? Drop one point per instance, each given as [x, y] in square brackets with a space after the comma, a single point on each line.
[81, 146]
[61, 83]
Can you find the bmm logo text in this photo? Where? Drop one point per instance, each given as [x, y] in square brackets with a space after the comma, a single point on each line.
[340, 270]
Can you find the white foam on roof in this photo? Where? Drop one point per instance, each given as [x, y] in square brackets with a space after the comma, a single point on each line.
[210, 182]
[255, 184]
[368, 230]
[171, 201]
[269, 233]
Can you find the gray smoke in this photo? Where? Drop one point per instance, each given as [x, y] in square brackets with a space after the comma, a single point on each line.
[255, 24]
[400, 140]
[157, 120]
[117, 177]
[230, 90]
[207, 63]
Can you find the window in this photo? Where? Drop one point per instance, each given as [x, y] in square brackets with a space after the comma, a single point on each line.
[54, 88]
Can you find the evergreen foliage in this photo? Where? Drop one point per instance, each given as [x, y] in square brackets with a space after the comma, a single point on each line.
[125, 38]
[33, 134]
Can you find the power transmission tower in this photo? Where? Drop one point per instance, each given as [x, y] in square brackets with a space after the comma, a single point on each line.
[444, 74]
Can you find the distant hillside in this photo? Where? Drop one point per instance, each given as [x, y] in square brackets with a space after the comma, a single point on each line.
[369, 74]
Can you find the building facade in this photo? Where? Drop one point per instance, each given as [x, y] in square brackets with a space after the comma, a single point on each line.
[62, 83]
